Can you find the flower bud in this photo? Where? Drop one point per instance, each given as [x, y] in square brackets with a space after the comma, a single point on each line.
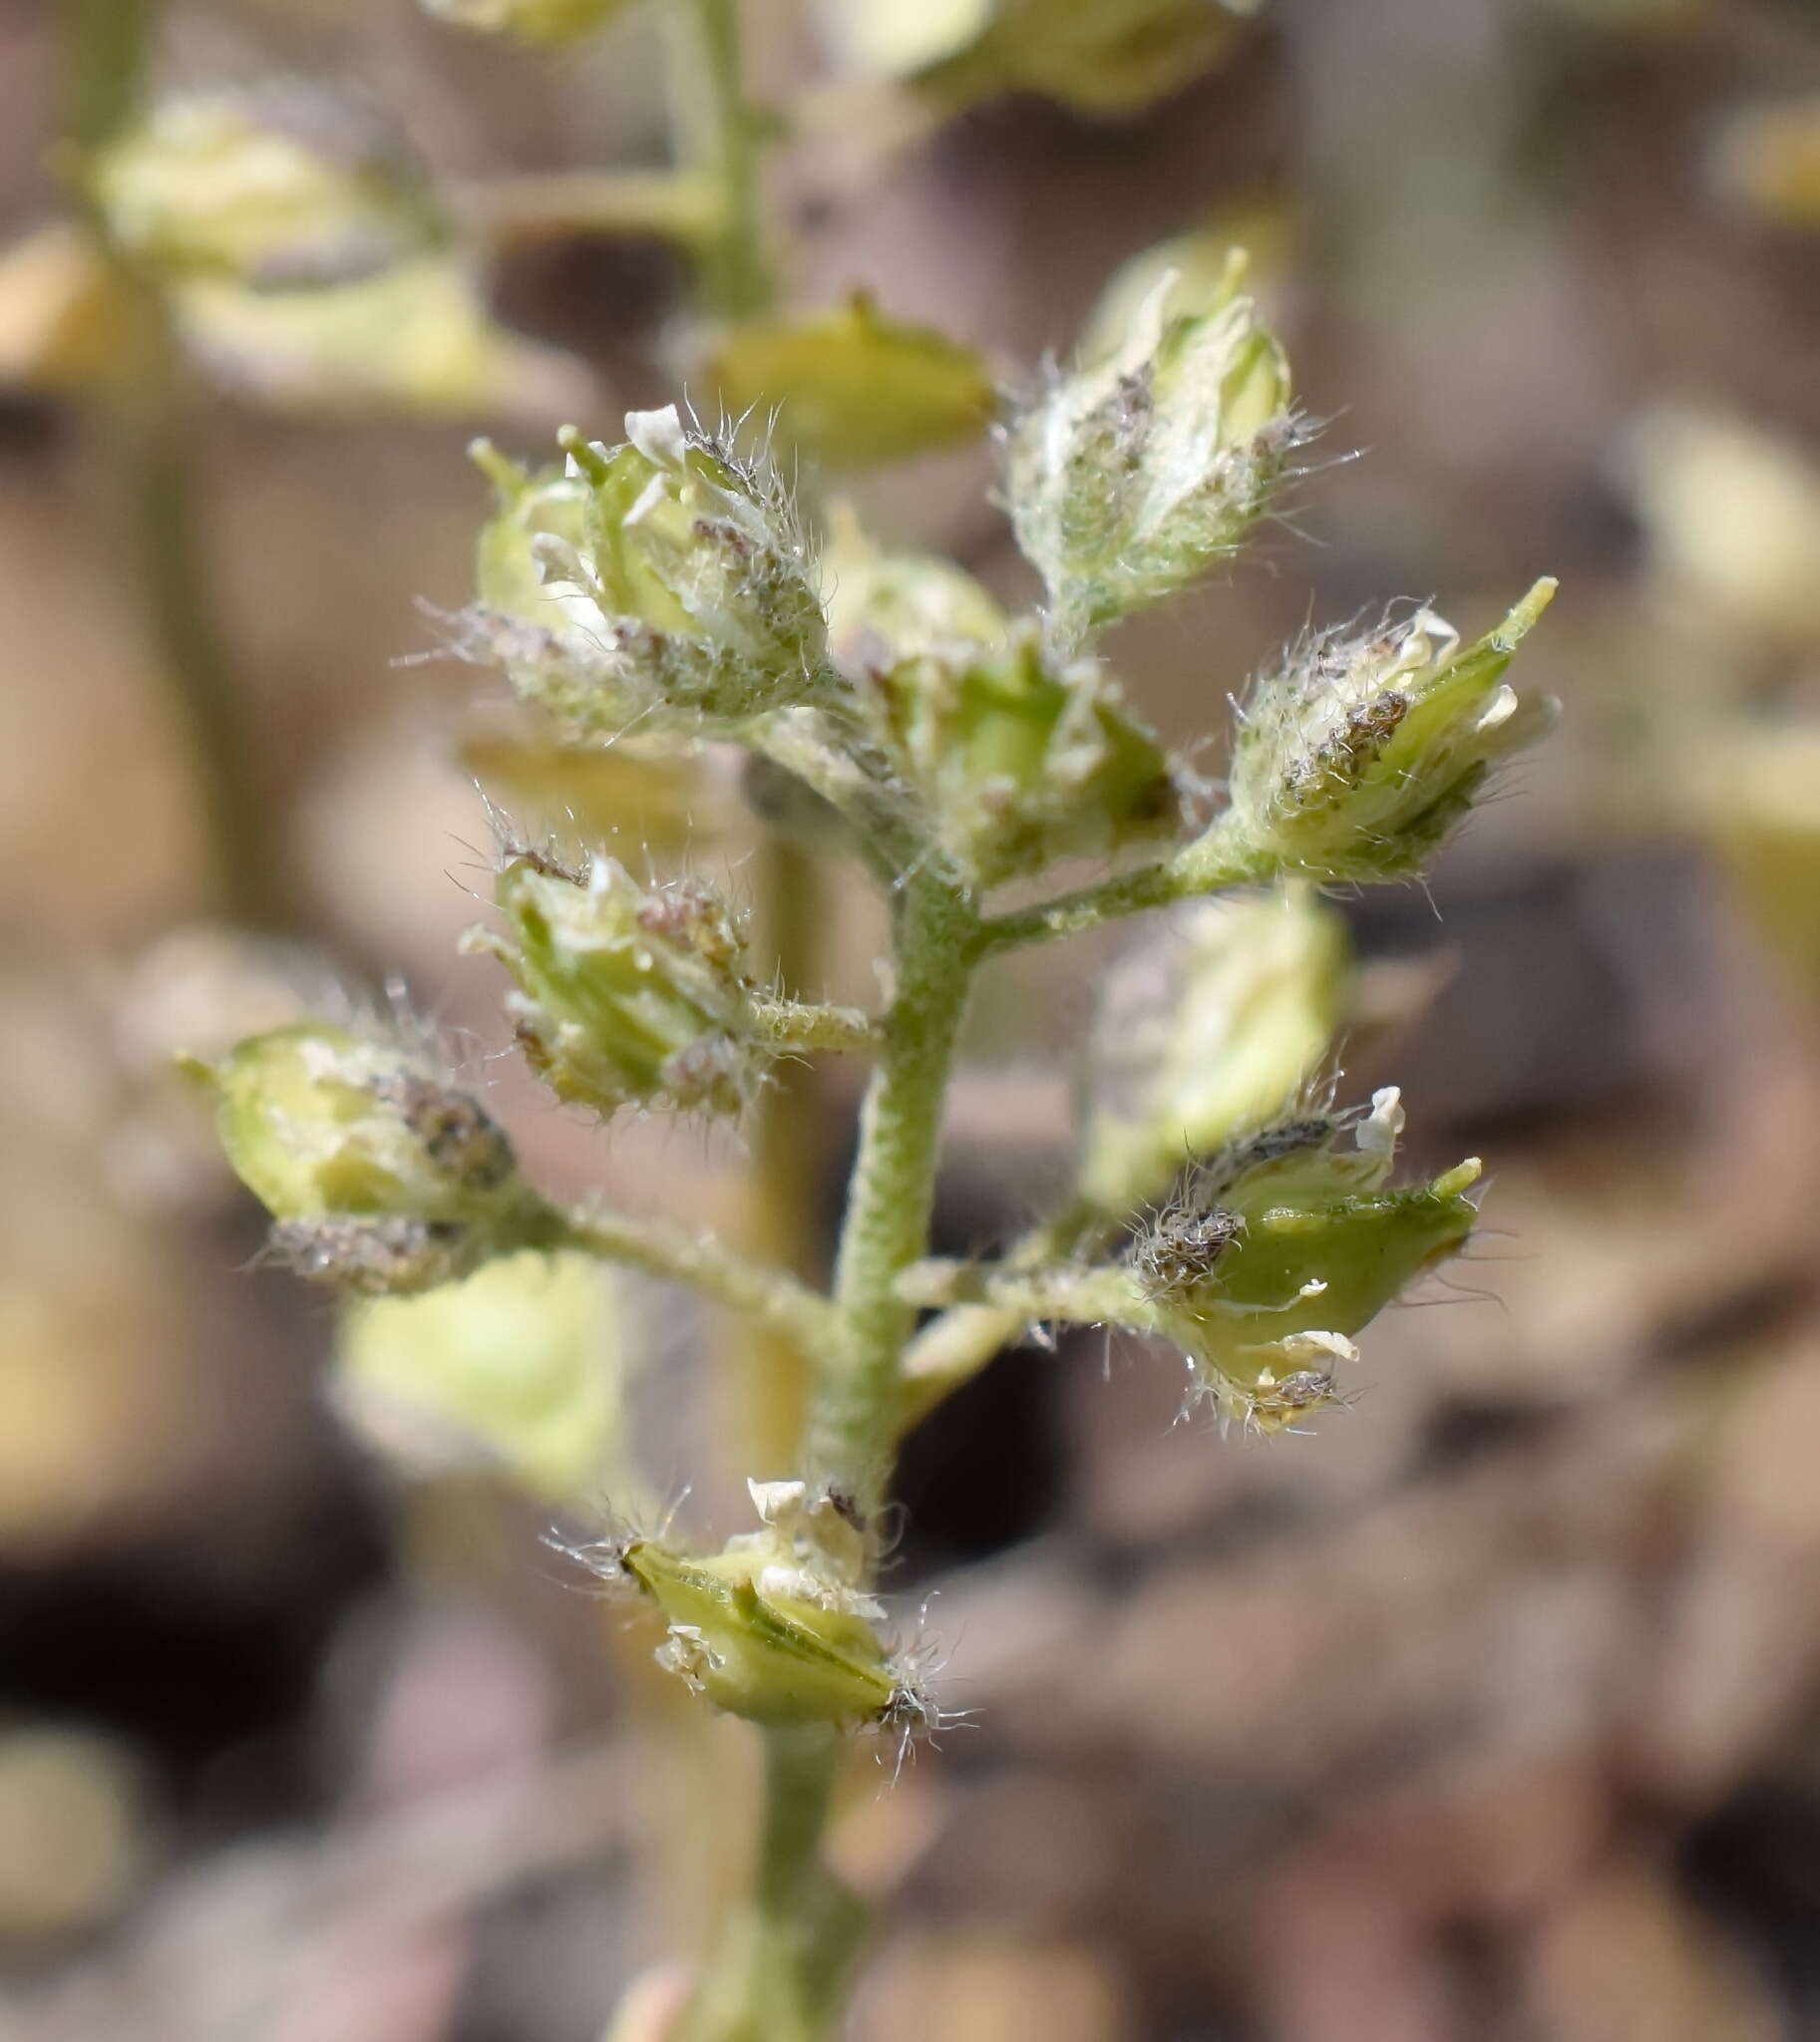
[669, 578]
[1288, 1246]
[626, 996]
[529, 21]
[1210, 1027]
[850, 387]
[1131, 476]
[516, 1365]
[775, 1628]
[285, 189]
[1359, 755]
[380, 1174]
[1020, 759]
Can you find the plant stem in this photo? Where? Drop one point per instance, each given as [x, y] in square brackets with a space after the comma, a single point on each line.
[781, 1972]
[780, 1208]
[952, 1349]
[854, 1425]
[1210, 864]
[760, 1293]
[668, 205]
[716, 135]
[1078, 1297]
[105, 49]
[167, 544]
[105, 53]
[802, 1026]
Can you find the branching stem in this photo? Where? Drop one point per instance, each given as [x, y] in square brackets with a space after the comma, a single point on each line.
[764, 1295]
[1213, 862]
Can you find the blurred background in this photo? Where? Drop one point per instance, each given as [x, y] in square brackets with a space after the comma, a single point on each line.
[1491, 1709]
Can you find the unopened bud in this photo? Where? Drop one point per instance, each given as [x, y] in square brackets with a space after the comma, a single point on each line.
[850, 387]
[670, 582]
[284, 189]
[1131, 476]
[379, 1173]
[625, 995]
[1287, 1248]
[1020, 758]
[1210, 1026]
[775, 1628]
[1359, 755]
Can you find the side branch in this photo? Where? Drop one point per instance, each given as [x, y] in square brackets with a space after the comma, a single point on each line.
[804, 1025]
[768, 1298]
[1078, 1296]
[1210, 864]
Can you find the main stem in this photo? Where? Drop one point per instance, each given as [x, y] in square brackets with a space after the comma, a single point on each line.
[855, 1421]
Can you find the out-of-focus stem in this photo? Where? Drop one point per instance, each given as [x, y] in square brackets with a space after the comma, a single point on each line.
[781, 1972]
[669, 205]
[105, 50]
[716, 134]
[780, 1217]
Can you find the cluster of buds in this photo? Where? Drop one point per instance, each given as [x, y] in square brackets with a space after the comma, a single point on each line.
[378, 1174]
[1213, 1025]
[1285, 1248]
[776, 1626]
[1007, 755]
[662, 578]
[529, 21]
[1358, 755]
[626, 995]
[1017, 757]
[285, 189]
[1132, 475]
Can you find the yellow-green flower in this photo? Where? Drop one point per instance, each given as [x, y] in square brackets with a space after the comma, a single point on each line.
[774, 1626]
[1279, 1255]
[1359, 755]
[288, 188]
[850, 387]
[662, 578]
[625, 995]
[1019, 758]
[380, 1174]
[1132, 475]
